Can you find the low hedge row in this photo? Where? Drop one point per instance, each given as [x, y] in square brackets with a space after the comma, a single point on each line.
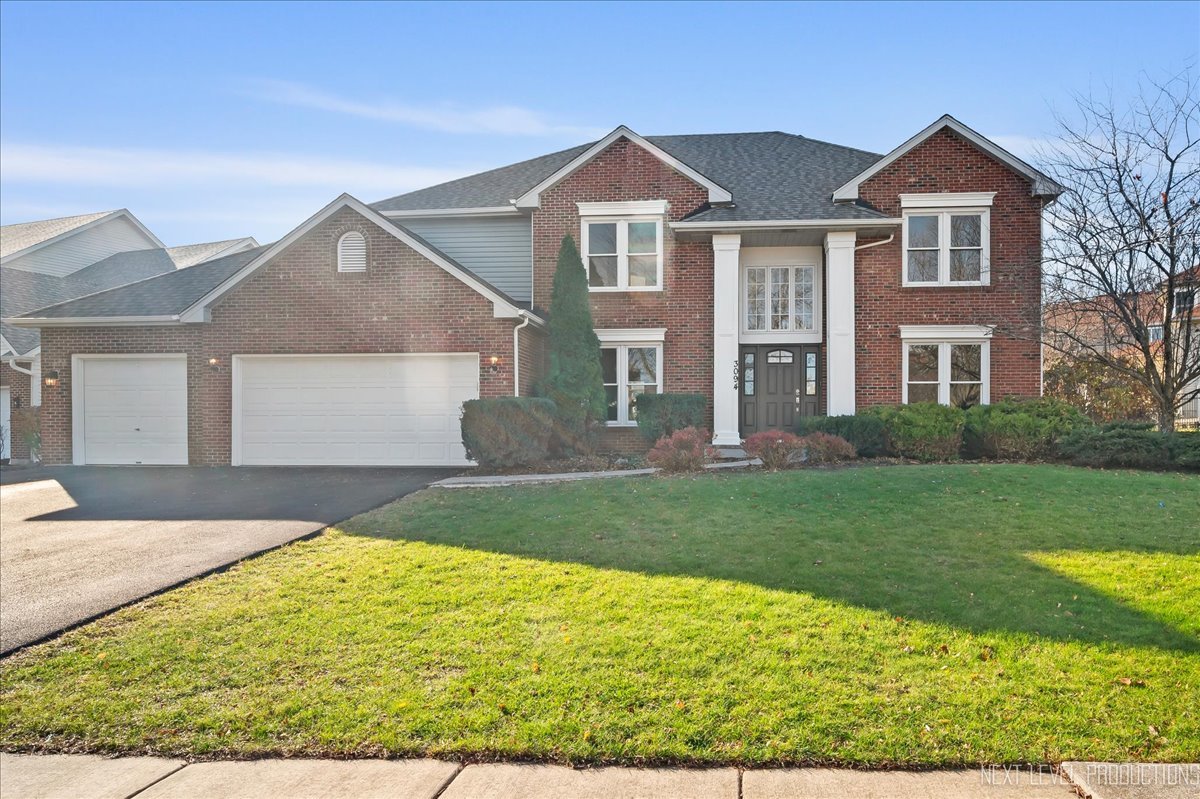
[1037, 429]
[661, 415]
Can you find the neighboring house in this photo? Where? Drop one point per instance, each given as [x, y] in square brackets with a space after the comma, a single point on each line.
[774, 274]
[50, 261]
[1093, 325]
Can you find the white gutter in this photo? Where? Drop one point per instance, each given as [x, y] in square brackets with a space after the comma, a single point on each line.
[93, 321]
[786, 223]
[517, 351]
[490, 210]
[869, 245]
[12, 364]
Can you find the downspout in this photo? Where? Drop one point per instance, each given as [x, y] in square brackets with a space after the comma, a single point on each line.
[517, 352]
[888, 240]
[12, 364]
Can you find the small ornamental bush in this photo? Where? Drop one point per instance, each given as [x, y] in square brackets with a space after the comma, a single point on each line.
[1185, 450]
[27, 427]
[822, 448]
[923, 431]
[777, 449]
[1118, 444]
[661, 415]
[508, 431]
[1019, 429]
[865, 432]
[685, 450]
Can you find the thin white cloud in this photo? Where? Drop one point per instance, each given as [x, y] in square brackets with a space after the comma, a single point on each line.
[505, 120]
[1027, 148]
[130, 167]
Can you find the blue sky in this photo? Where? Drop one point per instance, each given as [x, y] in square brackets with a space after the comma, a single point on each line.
[211, 121]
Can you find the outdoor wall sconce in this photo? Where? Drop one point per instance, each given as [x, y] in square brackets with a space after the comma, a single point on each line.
[494, 364]
[50, 379]
[214, 364]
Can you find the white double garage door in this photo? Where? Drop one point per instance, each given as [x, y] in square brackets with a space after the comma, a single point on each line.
[287, 410]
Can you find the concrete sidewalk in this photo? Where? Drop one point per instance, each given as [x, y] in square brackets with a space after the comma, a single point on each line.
[88, 776]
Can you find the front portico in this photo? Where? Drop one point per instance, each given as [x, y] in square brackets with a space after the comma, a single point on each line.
[783, 324]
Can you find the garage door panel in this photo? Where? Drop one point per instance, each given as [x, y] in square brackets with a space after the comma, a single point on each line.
[355, 410]
[133, 410]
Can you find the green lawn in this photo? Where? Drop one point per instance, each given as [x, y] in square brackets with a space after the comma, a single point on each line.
[868, 616]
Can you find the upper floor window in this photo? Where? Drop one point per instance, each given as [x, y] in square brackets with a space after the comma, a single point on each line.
[1155, 332]
[352, 252]
[1184, 300]
[623, 245]
[780, 298]
[946, 239]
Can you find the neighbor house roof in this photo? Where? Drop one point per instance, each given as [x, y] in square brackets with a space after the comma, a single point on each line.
[771, 176]
[167, 297]
[23, 237]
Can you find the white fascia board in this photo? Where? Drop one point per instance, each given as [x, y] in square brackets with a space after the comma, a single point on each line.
[716, 192]
[490, 210]
[944, 332]
[124, 212]
[785, 224]
[198, 311]
[978, 199]
[6, 349]
[631, 334]
[94, 321]
[1043, 186]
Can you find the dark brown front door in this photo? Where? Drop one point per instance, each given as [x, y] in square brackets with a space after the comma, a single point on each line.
[778, 383]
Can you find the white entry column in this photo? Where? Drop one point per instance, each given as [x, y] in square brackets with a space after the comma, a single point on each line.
[726, 249]
[839, 349]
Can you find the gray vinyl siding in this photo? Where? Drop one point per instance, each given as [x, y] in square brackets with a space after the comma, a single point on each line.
[84, 248]
[499, 250]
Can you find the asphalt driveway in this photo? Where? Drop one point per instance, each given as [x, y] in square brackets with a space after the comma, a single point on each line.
[78, 541]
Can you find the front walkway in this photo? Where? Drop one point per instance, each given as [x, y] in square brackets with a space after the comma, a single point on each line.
[88, 776]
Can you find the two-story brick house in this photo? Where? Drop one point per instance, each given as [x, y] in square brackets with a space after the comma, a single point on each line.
[775, 274]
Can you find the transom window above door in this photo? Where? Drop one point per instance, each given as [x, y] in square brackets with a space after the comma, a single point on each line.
[623, 254]
[780, 298]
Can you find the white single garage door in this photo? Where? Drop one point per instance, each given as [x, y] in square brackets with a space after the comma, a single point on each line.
[351, 410]
[130, 409]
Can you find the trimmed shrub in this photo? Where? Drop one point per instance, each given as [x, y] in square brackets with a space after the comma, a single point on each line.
[865, 432]
[685, 450]
[573, 376]
[508, 431]
[1019, 429]
[661, 415]
[778, 449]
[1185, 450]
[27, 426]
[1119, 444]
[923, 431]
[826, 448]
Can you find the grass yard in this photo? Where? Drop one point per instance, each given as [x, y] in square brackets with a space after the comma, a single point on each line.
[869, 616]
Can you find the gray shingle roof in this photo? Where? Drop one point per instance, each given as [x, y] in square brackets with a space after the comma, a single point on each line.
[174, 292]
[192, 254]
[771, 175]
[21, 236]
[163, 295]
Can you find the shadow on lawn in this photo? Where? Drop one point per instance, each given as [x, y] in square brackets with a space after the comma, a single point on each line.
[936, 550]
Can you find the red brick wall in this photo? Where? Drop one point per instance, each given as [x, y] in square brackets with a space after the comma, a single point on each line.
[623, 173]
[19, 397]
[947, 163]
[299, 303]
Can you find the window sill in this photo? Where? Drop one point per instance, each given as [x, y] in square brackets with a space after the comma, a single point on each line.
[619, 289]
[937, 285]
[619, 425]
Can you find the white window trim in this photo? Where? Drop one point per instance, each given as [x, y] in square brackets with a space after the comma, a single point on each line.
[782, 256]
[943, 206]
[340, 265]
[927, 335]
[768, 335]
[622, 223]
[621, 340]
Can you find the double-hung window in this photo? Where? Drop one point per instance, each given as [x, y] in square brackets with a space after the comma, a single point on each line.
[946, 365]
[780, 298]
[947, 239]
[623, 245]
[629, 370]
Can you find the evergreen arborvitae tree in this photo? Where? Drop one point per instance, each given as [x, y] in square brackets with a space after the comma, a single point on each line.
[574, 379]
